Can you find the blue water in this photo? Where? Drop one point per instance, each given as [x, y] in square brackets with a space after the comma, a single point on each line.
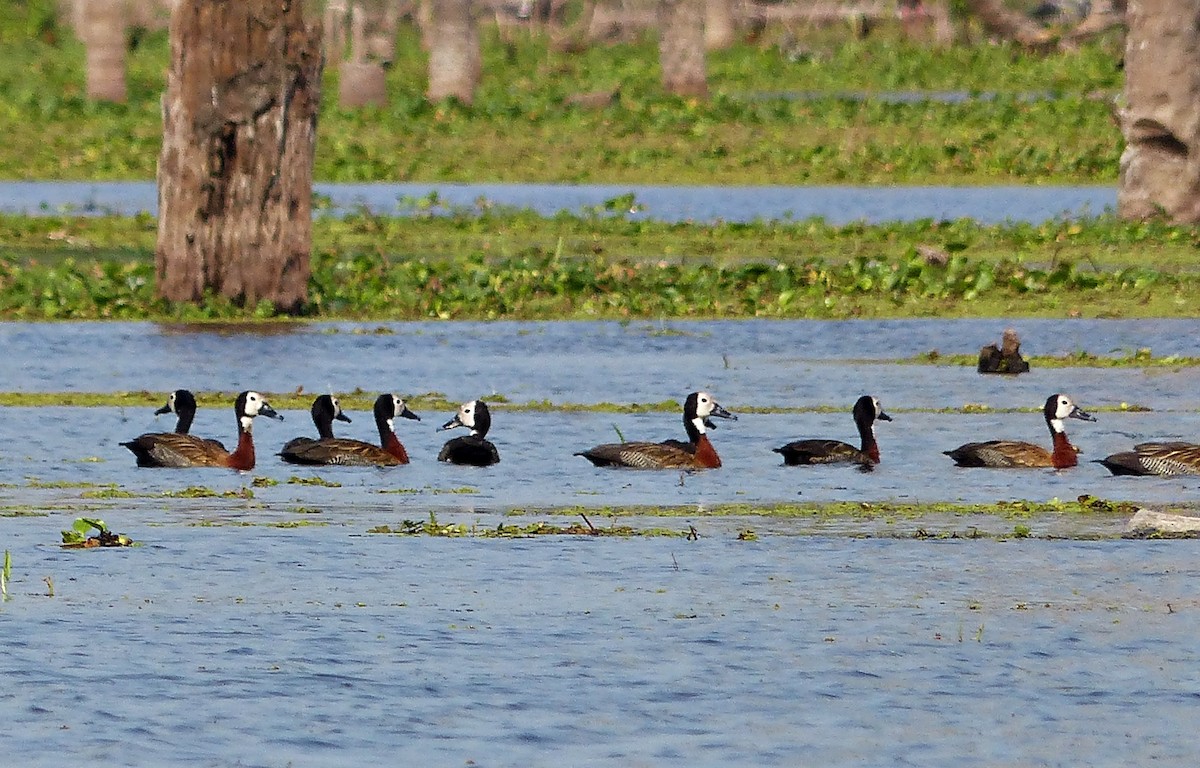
[272, 627]
[841, 204]
[331, 647]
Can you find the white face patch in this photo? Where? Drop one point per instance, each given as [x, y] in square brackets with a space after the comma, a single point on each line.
[247, 422]
[466, 414]
[253, 403]
[704, 406]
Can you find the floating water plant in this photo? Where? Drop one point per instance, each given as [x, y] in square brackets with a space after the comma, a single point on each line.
[77, 537]
[5, 574]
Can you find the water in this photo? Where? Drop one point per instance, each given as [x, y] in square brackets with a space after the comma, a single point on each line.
[838, 205]
[278, 630]
[255, 646]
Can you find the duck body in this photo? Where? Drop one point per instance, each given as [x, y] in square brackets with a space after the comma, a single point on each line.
[354, 453]
[1165, 459]
[175, 450]
[474, 449]
[697, 453]
[172, 449]
[867, 411]
[1002, 454]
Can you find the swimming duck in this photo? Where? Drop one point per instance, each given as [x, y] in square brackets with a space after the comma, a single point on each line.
[171, 449]
[335, 450]
[866, 411]
[325, 409]
[697, 453]
[1014, 453]
[182, 403]
[1006, 359]
[1155, 459]
[472, 449]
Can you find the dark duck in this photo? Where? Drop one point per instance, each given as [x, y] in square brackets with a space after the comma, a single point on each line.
[867, 411]
[697, 453]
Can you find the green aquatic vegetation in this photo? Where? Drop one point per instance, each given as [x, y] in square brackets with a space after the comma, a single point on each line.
[77, 537]
[465, 490]
[314, 480]
[512, 531]
[5, 574]
[108, 493]
[1015, 509]
[33, 482]
[23, 510]
[1140, 358]
[201, 492]
[536, 284]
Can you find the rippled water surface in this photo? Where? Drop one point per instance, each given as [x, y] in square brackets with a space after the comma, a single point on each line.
[273, 627]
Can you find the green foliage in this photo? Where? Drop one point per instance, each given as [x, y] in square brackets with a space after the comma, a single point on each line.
[493, 263]
[77, 537]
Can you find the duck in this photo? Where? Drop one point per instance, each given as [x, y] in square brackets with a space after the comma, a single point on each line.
[335, 450]
[172, 449]
[473, 449]
[325, 410]
[1006, 359]
[1166, 459]
[867, 411]
[1015, 453]
[182, 403]
[697, 453]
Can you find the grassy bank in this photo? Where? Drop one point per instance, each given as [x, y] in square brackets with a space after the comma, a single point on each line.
[496, 264]
[1043, 119]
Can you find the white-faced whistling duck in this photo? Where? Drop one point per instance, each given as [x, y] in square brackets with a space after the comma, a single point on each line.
[1015, 453]
[335, 450]
[171, 449]
[697, 453]
[866, 411]
[473, 449]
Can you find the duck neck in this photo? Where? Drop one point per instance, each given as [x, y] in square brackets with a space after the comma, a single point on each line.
[184, 424]
[243, 457]
[324, 428]
[706, 454]
[389, 441]
[869, 446]
[1064, 454]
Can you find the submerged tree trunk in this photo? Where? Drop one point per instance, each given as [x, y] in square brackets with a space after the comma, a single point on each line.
[102, 30]
[681, 47]
[455, 63]
[235, 172]
[1160, 167]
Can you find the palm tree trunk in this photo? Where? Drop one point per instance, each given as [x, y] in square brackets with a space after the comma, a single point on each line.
[102, 30]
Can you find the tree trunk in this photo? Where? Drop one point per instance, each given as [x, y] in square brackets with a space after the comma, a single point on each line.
[363, 81]
[720, 31]
[235, 173]
[681, 47]
[1160, 167]
[454, 59]
[999, 21]
[102, 30]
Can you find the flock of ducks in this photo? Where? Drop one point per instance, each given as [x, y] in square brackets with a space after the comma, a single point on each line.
[182, 449]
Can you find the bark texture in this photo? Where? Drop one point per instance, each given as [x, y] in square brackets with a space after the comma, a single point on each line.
[681, 51]
[1160, 167]
[455, 63]
[235, 172]
[102, 30]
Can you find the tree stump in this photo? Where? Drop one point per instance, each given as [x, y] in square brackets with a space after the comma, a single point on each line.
[1160, 170]
[681, 51]
[235, 172]
[455, 63]
[102, 30]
